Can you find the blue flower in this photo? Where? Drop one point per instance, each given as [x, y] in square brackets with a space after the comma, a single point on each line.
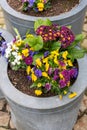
[46, 53]
[38, 73]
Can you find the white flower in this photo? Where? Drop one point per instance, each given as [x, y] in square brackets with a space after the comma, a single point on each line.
[14, 53]
[13, 63]
[8, 52]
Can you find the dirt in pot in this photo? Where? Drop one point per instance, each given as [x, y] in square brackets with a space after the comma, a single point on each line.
[57, 7]
[19, 80]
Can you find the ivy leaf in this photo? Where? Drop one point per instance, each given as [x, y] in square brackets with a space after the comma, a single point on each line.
[55, 46]
[35, 42]
[40, 22]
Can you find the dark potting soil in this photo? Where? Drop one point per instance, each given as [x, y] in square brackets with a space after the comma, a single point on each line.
[57, 7]
[19, 80]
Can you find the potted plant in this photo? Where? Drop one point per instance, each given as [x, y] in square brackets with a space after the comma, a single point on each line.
[4, 37]
[23, 22]
[54, 68]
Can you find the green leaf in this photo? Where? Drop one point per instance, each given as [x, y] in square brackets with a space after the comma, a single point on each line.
[79, 38]
[77, 53]
[35, 42]
[55, 46]
[40, 22]
[39, 55]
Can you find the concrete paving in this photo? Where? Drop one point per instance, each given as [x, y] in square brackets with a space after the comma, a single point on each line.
[5, 116]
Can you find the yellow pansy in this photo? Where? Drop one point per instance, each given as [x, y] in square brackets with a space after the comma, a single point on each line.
[40, 6]
[61, 76]
[38, 92]
[19, 43]
[44, 74]
[55, 53]
[28, 70]
[32, 49]
[68, 84]
[60, 97]
[72, 95]
[51, 56]
[39, 85]
[64, 55]
[69, 62]
[32, 71]
[34, 77]
[65, 92]
[47, 66]
[45, 60]
[25, 52]
[38, 62]
[56, 60]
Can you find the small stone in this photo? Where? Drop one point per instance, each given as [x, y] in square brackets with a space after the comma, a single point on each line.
[84, 44]
[2, 103]
[83, 106]
[8, 108]
[84, 34]
[1, 128]
[4, 119]
[81, 123]
[85, 27]
[12, 125]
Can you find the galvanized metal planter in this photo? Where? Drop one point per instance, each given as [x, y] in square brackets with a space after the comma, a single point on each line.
[22, 22]
[8, 37]
[33, 113]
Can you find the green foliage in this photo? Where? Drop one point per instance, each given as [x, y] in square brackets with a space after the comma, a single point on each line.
[25, 6]
[39, 55]
[55, 46]
[76, 53]
[40, 22]
[36, 42]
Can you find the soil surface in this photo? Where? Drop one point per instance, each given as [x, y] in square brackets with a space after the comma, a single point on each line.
[57, 7]
[20, 81]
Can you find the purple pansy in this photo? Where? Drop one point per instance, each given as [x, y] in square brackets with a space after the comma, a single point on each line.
[55, 77]
[62, 83]
[47, 86]
[66, 75]
[31, 2]
[28, 60]
[73, 72]
[61, 63]
[50, 70]
[29, 78]
[56, 71]
[46, 53]
[38, 73]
